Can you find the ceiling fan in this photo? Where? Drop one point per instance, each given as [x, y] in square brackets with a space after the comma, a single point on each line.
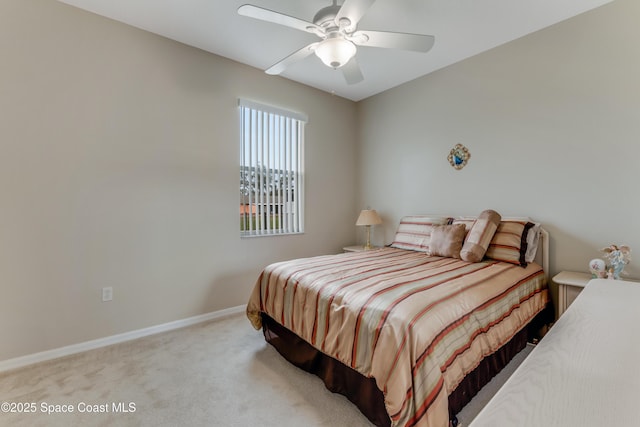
[336, 26]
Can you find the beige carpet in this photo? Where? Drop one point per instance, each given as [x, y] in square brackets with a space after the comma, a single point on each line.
[220, 373]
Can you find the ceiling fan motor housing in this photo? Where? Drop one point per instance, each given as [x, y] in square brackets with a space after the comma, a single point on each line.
[326, 17]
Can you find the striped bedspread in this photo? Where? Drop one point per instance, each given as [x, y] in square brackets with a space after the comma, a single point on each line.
[415, 323]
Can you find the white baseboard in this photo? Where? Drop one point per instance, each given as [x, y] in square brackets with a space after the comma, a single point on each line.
[30, 359]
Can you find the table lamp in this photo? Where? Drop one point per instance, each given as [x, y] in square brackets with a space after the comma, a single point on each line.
[368, 217]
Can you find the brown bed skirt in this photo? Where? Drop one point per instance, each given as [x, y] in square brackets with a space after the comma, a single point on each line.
[363, 391]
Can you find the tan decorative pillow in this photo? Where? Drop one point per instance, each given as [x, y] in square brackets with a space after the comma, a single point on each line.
[447, 240]
[480, 235]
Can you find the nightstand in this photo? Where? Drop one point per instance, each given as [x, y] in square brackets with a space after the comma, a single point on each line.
[570, 284]
[358, 248]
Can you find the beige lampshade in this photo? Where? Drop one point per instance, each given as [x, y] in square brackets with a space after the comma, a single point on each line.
[368, 217]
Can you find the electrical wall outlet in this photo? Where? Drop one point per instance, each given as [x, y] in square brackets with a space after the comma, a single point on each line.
[107, 294]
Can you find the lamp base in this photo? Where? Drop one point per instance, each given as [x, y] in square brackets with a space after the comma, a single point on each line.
[367, 246]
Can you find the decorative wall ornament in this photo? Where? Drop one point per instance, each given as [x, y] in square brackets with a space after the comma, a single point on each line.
[459, 156]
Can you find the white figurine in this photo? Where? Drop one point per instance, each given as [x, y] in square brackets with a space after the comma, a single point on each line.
[618, 257]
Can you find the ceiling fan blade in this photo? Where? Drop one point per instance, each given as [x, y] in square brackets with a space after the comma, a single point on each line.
[353, 10]
[278, 18]
[352, 73]
[385, 39]
[294, 57]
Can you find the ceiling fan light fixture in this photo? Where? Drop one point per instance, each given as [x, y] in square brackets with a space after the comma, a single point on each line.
[335, 52]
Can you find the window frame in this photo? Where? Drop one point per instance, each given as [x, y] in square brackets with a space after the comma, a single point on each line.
[271, 146]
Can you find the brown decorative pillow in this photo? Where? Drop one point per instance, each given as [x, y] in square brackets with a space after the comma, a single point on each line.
[447, 240]
[480, 235]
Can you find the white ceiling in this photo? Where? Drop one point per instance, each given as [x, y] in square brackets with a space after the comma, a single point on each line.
[462, 28]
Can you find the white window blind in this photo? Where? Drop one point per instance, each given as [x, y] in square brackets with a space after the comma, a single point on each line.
[271, 170]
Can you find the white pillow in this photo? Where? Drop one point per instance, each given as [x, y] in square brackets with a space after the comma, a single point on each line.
[533, 238]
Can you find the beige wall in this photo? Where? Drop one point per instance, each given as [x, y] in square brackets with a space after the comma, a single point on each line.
[552, 122]
[118, 162]
[119, 167]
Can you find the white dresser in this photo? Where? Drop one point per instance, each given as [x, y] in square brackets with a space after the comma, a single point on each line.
[584, 373]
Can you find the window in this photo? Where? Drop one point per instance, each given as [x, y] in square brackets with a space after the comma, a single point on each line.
[271, 170]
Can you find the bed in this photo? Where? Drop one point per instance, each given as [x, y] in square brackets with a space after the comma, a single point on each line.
[412, 331]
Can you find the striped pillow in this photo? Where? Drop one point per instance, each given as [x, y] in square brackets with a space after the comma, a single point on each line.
[466, 221]
[509, 243]
[414, 232]
[479, 236]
